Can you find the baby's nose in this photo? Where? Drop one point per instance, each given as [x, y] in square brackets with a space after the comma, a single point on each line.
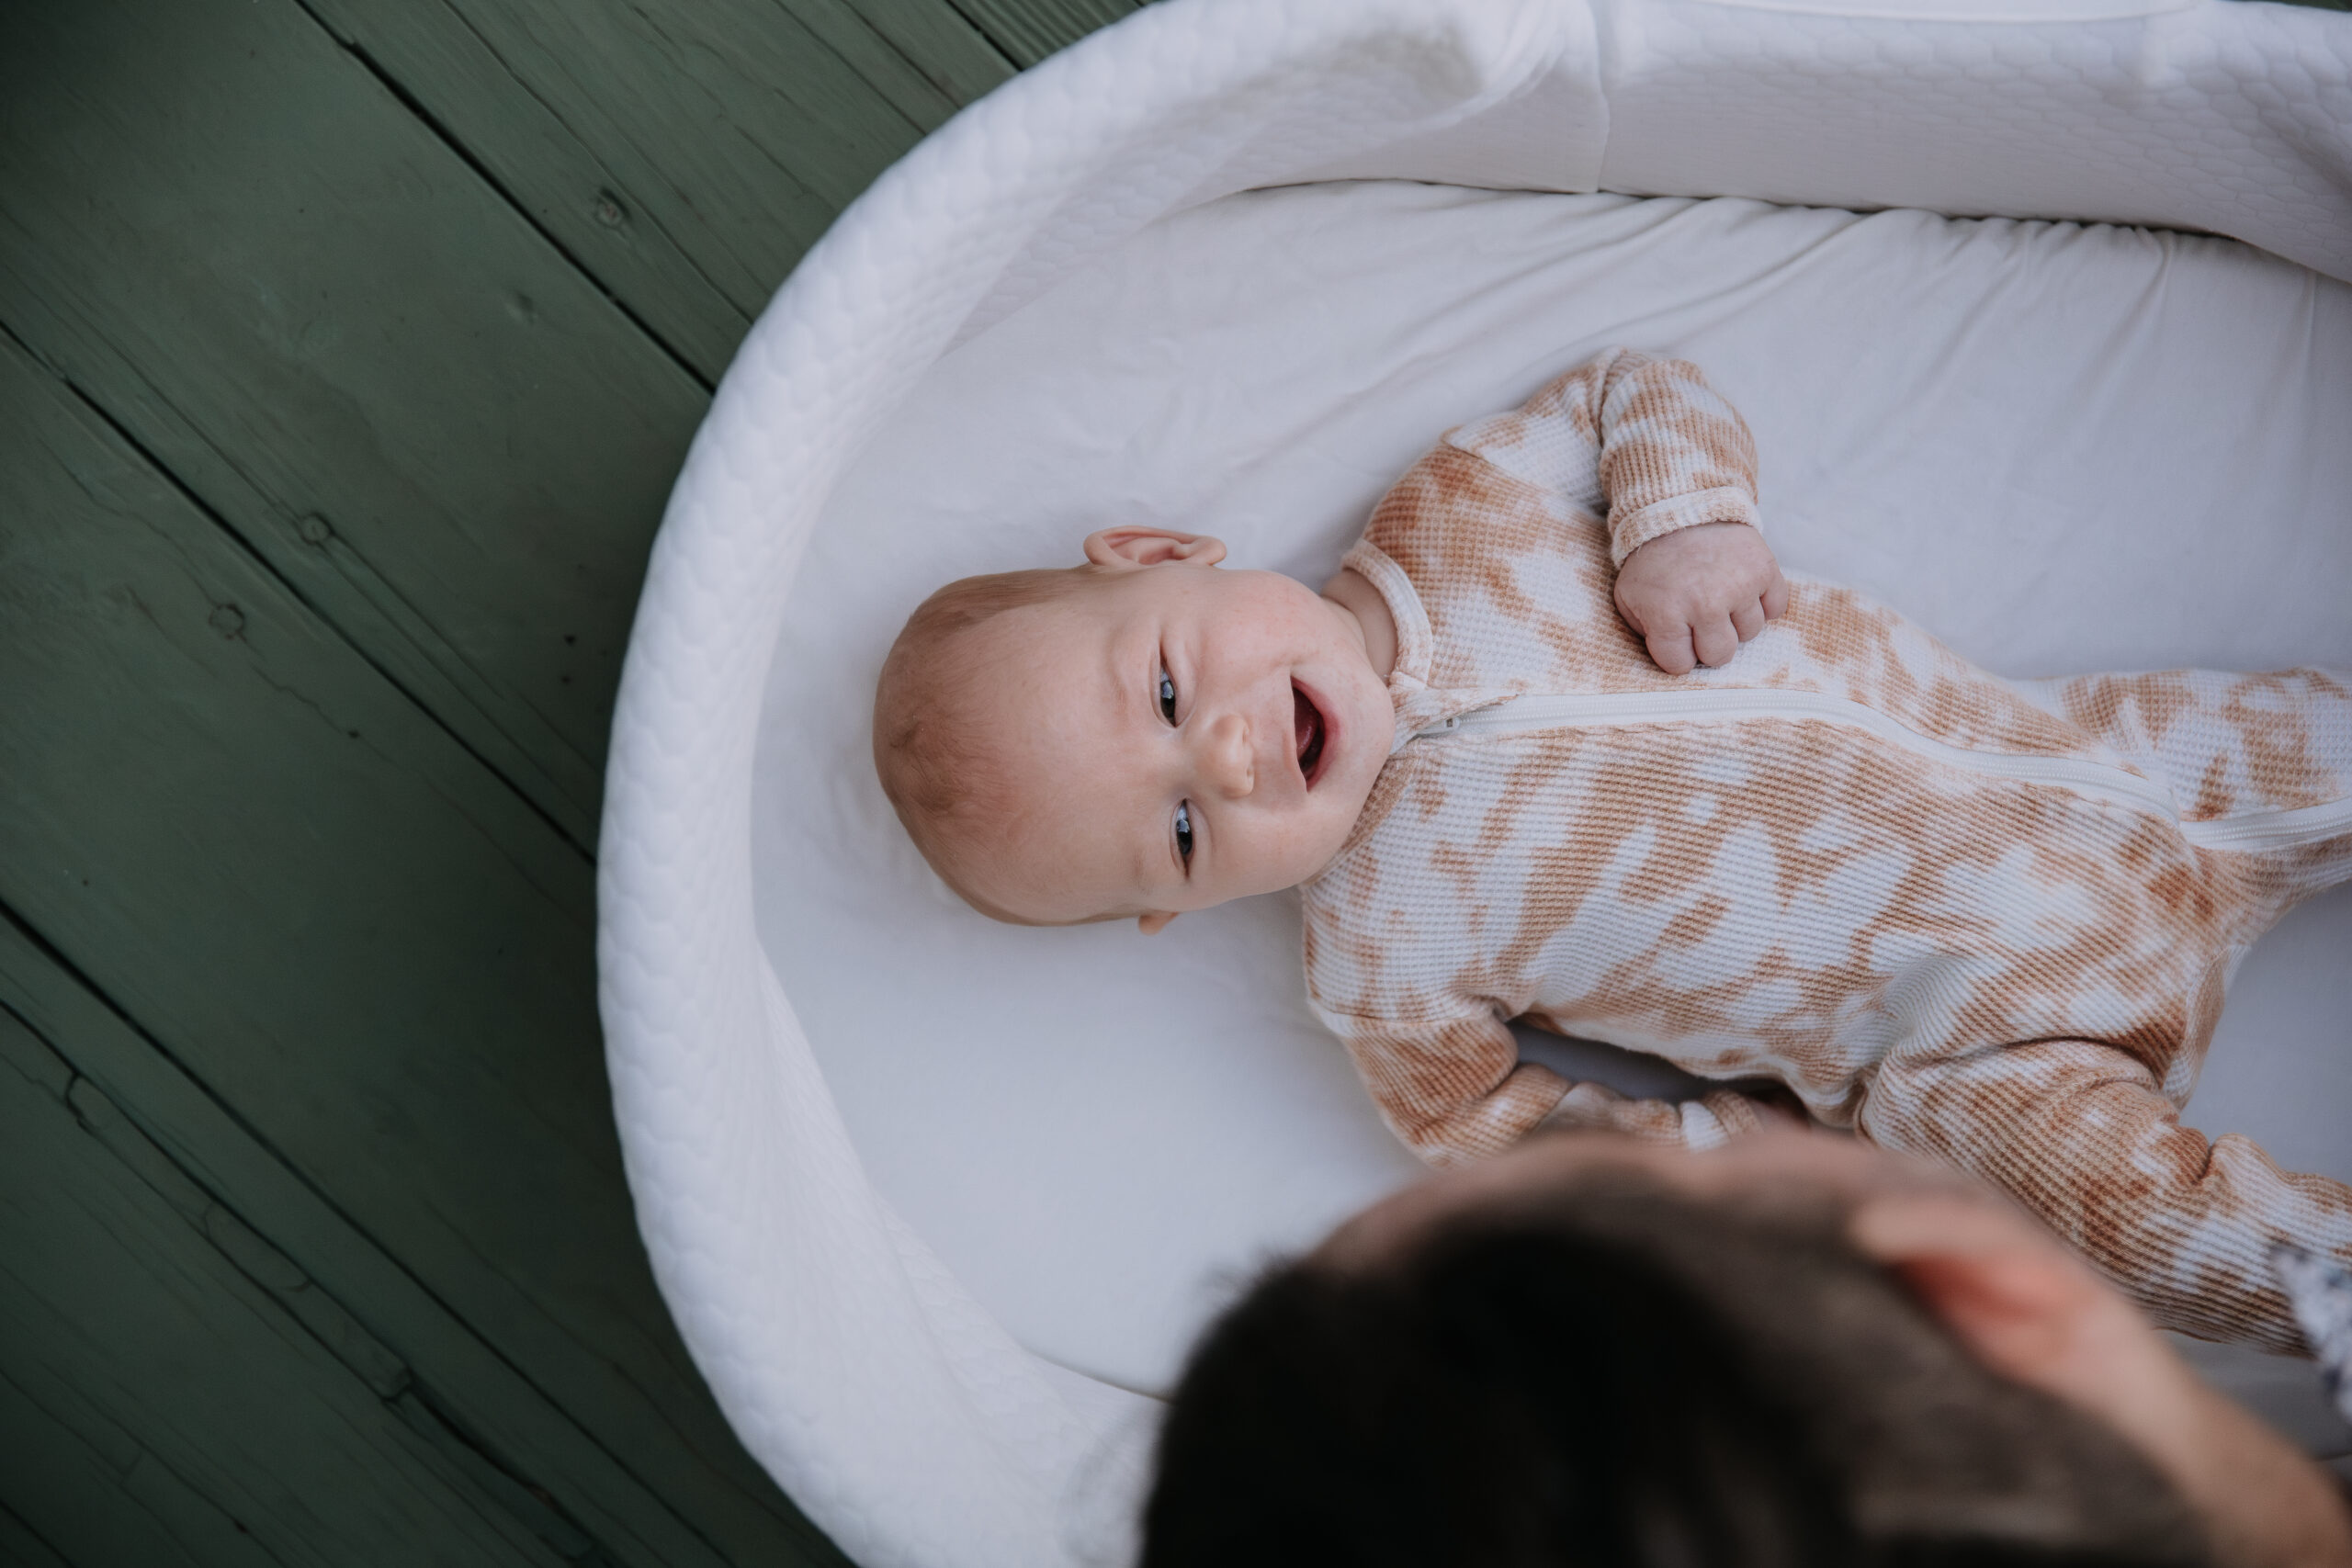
[1226, 766]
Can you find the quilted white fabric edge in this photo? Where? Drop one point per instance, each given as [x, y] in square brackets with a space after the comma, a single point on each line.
[904, 1421]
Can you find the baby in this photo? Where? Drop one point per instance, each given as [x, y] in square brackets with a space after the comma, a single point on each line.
[1511, 765]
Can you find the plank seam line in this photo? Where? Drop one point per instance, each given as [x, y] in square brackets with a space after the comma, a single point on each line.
[457, 1431]
[263, 563]
[148, 1452]
[441, 133]
[25, 1524]
[415, 107]
[985, 37]
[917, 66]
[881, 94]
[890, 45]
[1044, 32]
[988, 35]
[419, 1396]
[526, 1504]
[419, 1384]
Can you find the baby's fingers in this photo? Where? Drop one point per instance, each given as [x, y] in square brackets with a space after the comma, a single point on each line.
[1714, 641]
[1670, 649]
[1775, 598]
[1748, 619]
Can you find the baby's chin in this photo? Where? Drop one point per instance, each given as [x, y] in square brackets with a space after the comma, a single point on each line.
[1347, 778]
[1334, 809]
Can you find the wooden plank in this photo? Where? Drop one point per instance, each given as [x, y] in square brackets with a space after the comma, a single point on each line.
[1028, 30]
[393, 1333]
[342, 926]
[78, 1484]
[939, 41]
[160, 1399]
[726, 134]
[284, 285]
[576, 198]
[21, 1548]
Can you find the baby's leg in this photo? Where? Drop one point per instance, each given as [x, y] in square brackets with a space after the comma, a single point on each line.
[2260, 765]
[2079, 1132]
[2078, 1117]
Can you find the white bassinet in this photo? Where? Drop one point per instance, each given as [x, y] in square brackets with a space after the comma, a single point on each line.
[1055, 308]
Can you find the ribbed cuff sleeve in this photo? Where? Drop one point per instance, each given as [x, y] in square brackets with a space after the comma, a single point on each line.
[1726, 503]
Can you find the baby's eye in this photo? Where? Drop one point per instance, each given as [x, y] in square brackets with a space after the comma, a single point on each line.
[1167, 696]
[1184, 832]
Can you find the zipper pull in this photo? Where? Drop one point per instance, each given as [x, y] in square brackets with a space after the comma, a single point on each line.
[1463, 720]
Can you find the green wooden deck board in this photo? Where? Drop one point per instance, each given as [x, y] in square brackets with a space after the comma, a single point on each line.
[290, 290]
[20, 1548]
[685, 154]
[356, 1299]
[575, 198]
[1028, 30]
[180, 1378]
[342, 925]
[93, 1495]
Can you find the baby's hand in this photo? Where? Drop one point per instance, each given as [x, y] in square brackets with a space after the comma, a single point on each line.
[1694, 595]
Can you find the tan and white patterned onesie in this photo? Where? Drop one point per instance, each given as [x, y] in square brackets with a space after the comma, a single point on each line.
[1985, 920]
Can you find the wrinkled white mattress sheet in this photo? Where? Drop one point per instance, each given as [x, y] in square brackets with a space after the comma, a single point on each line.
[2062, 448]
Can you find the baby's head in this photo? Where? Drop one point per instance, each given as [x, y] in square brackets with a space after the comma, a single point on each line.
[1137, 736]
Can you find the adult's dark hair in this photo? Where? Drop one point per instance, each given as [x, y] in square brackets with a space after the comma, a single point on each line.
[1628, 1377]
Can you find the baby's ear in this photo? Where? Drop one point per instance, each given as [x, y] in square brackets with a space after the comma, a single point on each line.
[1133, 545]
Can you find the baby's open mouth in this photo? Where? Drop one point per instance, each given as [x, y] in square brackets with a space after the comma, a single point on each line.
[1306, 729]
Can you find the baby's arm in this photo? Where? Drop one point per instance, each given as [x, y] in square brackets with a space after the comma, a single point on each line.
[1455, 1089]
[1648, 442]
[2078, 1133]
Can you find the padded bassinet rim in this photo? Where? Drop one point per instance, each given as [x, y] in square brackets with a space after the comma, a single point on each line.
[882, 1399]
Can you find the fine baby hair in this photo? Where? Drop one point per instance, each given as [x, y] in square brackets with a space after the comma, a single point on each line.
[934, 761]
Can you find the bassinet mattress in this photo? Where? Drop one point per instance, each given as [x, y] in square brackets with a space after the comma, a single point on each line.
[2062, 447]
[1042, 1132]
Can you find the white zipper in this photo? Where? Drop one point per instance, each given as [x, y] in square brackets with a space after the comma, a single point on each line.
[2259, 831]
[2096, 781]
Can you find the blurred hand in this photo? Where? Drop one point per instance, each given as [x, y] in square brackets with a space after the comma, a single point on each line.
[1694, 595]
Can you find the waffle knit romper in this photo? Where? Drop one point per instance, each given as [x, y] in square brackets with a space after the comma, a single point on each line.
[1985, 920]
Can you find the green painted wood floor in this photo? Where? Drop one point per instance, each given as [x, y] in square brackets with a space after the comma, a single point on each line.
[347, 349]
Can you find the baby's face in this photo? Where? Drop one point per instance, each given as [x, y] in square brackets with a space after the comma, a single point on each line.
[1176, 735]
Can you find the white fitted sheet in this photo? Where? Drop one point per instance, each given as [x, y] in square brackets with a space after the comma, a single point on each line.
[2062, 447]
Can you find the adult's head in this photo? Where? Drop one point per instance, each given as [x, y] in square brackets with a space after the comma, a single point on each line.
[1797, 1350]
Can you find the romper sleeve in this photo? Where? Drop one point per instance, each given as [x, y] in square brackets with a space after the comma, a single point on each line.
[1646, 442]
[2079, 1133]
[1455, 1090]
